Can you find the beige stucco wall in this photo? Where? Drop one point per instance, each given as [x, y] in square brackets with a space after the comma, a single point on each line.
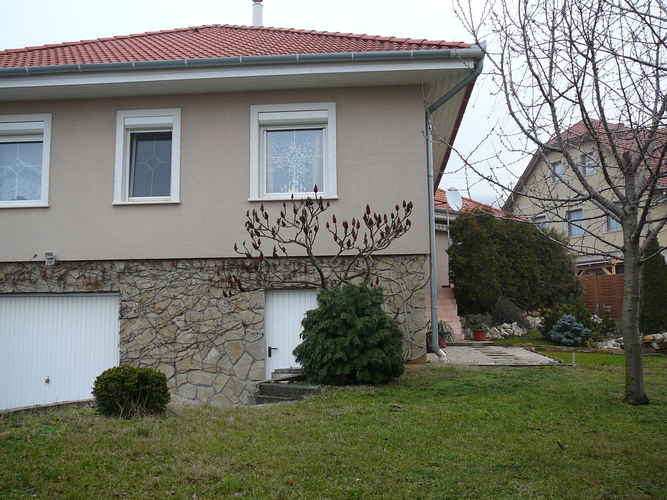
[441, 247]
[380, 159]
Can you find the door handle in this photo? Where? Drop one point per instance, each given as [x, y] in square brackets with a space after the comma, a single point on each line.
[272, 349]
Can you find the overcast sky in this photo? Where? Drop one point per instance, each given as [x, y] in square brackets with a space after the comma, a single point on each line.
[40, 22]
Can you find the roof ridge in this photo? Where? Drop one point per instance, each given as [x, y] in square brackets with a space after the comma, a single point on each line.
[104, 39]
[336, 34]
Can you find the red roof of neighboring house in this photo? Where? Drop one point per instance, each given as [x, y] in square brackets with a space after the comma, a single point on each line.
[468, 204]
[210, 41]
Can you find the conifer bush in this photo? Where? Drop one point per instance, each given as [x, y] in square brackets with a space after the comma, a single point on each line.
[127, 391]
[653, 310]
[568, 331]
[348, 339]
[572, 307]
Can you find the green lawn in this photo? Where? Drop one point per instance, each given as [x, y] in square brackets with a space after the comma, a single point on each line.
[439, 432]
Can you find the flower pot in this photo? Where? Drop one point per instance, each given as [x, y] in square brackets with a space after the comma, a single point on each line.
[478, 335]
[442, 343]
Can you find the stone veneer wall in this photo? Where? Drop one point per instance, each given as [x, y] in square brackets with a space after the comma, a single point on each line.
[174, 316]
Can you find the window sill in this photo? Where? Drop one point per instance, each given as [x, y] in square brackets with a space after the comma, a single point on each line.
[29, 204]
[146, 202]
[297, 196]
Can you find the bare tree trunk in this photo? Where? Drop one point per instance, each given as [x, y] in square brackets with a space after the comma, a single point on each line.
[634, 364]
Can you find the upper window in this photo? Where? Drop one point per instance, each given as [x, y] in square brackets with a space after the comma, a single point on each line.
[575, 222]
[148, 156]
[556, 171]
[25, 145]
[293, 150]
[613, 224]
[588, 164]
[540, 220]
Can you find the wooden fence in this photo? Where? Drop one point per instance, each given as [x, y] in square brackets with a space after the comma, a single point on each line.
[603, 291]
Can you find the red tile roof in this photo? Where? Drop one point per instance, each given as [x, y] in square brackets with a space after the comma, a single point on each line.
[209, 41]
[468, 204]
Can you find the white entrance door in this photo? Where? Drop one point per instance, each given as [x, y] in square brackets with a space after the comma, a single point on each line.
[52, 347]
[284, 310]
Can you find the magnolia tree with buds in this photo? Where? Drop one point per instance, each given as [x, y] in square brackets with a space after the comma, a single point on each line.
[293, 235]
[337, 347]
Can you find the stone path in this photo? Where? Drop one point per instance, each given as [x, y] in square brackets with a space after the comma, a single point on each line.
[493, 355]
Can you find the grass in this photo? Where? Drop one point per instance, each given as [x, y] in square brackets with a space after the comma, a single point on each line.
[439, 432]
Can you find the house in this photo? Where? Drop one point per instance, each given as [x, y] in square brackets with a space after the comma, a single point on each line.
[543, 196]
[127, 165]
[444, 214]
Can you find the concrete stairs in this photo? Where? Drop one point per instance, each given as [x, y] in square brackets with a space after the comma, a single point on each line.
[284, 387]
[448, 310]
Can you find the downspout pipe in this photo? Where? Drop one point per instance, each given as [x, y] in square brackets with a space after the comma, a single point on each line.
[479, 64]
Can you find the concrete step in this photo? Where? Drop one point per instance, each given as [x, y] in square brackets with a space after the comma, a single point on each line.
[268, 400]
[272, 391]
[288, 391]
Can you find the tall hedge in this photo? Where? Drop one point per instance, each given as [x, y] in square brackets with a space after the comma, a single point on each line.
[653, 311]
[491, 257]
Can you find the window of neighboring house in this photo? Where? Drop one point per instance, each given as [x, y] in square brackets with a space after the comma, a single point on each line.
[148, 145]
[612, 224]
[540, 220]
[556, 171]
[25, 145]
[575, 222]
[293, 149]
[588, 164]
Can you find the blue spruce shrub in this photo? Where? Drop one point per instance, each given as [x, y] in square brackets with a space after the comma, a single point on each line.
[568, 331]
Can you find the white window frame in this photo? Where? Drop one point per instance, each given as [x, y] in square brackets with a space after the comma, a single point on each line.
[577, 225]
[612, 225]
[557, 169]
[265, 117]
[146, 120]
[541, 221]
[27, 128]
[588, 164]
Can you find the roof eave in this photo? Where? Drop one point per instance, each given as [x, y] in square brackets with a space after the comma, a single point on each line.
[296, 71]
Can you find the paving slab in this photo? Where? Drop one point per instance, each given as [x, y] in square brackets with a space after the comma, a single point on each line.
[493, 355]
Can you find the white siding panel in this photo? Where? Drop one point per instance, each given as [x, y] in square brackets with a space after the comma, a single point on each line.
[65, 339]
[284, 311]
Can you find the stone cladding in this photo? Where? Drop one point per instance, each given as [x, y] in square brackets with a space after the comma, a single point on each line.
[175, 317]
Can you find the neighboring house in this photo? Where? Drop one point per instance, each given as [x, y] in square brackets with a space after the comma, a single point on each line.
[444, 214]
[595, 237]
[127, 165]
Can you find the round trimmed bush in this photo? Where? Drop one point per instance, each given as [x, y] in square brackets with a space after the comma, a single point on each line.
[349, 339]
[568, 331]
[127, 391]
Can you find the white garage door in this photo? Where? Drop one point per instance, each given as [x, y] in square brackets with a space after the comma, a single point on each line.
[53, 346]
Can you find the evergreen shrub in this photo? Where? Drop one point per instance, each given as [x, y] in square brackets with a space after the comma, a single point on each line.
[603, 329]
[127, 391]
[568, 331]
[573, 307]
[653, 309]
[348, 339]
[506, 311]
[492, 257]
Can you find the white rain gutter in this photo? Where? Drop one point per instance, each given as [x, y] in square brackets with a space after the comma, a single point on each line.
[239, 61]
[479, 64]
